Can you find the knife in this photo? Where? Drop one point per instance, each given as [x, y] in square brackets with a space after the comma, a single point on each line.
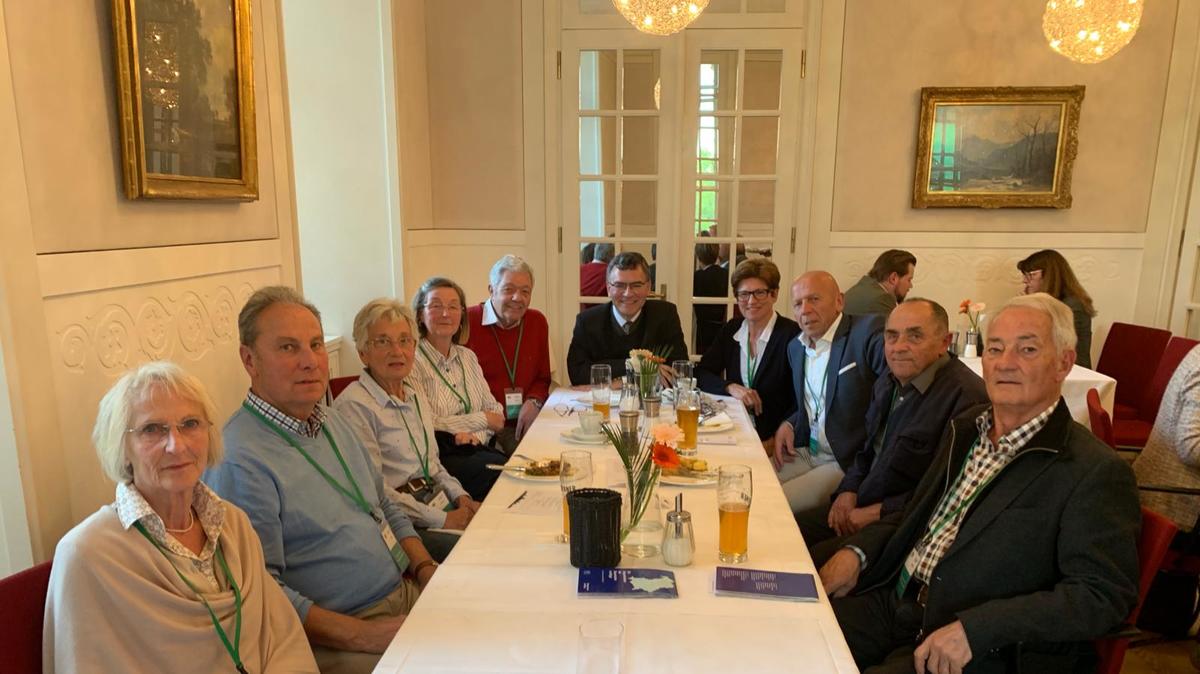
[518, 499]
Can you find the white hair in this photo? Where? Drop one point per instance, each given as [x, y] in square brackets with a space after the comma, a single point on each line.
[509, 263]
[1062, 321]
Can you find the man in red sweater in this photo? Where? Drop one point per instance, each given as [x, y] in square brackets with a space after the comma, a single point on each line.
[512, 342]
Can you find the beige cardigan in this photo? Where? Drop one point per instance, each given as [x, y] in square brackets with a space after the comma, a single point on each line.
[1171, 457]
[115, 604]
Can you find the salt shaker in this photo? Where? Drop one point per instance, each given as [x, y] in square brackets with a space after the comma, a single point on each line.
[679, 541]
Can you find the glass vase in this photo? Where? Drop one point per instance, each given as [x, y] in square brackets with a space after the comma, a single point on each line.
[642, 527]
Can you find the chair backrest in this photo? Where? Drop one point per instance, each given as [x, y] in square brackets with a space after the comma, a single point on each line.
[23, 596]
[1176, 349]
[1101, 422]
[339, 384]
[1130, 355]
[1153, 543]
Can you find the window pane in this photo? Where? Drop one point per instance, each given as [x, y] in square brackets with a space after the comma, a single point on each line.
[639, 207]
[639, 145]
[597, 205]
[641, 79]
[597, 145]
[714, 145]
[598, 80]
[762, 79]
[718, 79]
[759, 136]
[714, 207]
[756, 203]
[765, 6]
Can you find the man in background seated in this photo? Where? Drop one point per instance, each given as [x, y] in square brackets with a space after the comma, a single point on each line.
[592, 274]
[835, 362]
[331, 537]
[606, 333]
[885, 286]
[910, 408]
[512, 342]
[1023, 531]
[708, 280]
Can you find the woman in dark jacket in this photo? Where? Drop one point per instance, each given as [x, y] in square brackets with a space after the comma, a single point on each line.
[1047, 271]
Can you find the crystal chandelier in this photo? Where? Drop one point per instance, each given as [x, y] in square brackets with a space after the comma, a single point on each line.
[660, 17]
[1089, 31]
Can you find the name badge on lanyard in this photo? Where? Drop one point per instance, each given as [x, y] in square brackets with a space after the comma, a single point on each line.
[513, 399]
[389, 539]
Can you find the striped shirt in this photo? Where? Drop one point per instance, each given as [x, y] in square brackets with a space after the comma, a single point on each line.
[456, 389]
[983, 463]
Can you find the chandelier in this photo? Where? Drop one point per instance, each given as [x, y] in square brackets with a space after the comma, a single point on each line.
[660, 17]
[1089, 31]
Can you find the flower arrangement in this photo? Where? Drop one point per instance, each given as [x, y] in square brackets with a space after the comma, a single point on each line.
[645, 363]
[644, 457]
[974, 312]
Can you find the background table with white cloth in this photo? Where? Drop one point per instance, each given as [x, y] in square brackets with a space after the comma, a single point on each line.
[1075, 389]
[505, 600]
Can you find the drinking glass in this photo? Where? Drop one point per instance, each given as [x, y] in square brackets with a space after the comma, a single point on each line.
[687, 416]
[574, 472]
[601, 388]
[599, 647]
[683, 374]
[734, 489]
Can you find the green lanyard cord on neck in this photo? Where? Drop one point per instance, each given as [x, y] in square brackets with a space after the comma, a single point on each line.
[950, 516]
[751, 364]
[356, 496]
[466, 401]
[423, 458]
[233, 649]
[511, 369]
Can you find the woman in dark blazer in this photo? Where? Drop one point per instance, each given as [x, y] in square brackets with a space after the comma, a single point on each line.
[748, 358]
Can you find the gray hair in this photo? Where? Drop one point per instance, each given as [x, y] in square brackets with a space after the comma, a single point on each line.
[260, 301]
[380, 309]
[419, 301]
[940, 317]
[509, 263]
[115, 413]
[603, 252]
[1062, 321]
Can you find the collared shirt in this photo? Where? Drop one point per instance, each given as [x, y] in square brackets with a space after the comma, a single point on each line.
[621, 319]
[983, 463]
[816, 378]
[742, 337]
[309, 428]
[449, 380]
[490, 317]
[132, 507]
[379, 418]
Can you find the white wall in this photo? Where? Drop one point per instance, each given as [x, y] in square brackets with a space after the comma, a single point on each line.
[15, 551]
[340, 83]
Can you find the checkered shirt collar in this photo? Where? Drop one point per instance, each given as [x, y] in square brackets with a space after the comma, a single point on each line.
[309, 428]
[1011, 442]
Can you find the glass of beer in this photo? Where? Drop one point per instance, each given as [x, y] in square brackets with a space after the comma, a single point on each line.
[734, 489]
[602, 389]
[574, 472]
[687, 415]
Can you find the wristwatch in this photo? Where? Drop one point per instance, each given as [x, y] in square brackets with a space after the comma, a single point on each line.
[537, 402]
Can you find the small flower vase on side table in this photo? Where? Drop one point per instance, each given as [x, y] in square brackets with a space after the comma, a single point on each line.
[969, 344]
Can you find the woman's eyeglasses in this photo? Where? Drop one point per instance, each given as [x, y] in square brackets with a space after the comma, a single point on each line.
[155, 433]
[760, 294]
[387, 343]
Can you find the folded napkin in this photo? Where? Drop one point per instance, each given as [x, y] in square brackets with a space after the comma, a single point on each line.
[716, 440]
[718, 420]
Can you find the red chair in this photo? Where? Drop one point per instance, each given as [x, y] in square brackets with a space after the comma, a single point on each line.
[1101, 422]
[1130, 355]
[1155, 539]
[339, 384]
[1133, 432]
[23, 596]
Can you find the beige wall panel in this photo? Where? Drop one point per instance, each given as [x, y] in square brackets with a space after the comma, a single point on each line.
[893, 48]
[94, 337]
[475, 123]
[62, 68]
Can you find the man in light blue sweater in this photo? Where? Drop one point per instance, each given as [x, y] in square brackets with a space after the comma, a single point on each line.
[331, 537]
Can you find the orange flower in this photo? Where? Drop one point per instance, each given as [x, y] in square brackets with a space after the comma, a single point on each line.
[965, 306]
[667, 434]
[664, 456]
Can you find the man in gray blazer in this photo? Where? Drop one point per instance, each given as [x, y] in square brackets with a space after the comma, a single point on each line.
[885, 286]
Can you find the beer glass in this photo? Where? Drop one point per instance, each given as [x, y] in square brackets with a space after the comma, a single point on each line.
[687, 416]
[602, 389]
[734, 489]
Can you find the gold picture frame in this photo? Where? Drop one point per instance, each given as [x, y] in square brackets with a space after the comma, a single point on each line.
[185, 89]
[996, 147]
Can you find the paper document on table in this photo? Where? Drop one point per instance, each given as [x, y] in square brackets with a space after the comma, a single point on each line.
[717, 440]
[538, 503]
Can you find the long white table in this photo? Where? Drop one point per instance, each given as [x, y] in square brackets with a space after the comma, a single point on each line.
[505, 600]
[1074, 391]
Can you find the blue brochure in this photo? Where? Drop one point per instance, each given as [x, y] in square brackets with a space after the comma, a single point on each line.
[754, 583]
[627, 583]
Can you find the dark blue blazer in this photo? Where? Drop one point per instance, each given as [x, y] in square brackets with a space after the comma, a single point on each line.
[855, 362]
[721, 366]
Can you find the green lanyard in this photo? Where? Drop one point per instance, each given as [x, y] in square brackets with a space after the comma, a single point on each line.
[751, 363]
[888, 420]
[511, 369]
[949, 517]
[818, 395]
[233, 649]
[424, 458]
[466, 402]
[356, 496]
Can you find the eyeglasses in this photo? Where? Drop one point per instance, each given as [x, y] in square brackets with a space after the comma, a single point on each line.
[760, 294]
[636, 286]
[385, 343]
[438, 307]
[1031, 275]
[155, 433]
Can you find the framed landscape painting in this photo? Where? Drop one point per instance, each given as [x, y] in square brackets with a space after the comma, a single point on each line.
[996, 147]
[185, 86]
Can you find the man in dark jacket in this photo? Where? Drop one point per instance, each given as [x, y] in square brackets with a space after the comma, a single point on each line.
[1021, 540]
[910, 408]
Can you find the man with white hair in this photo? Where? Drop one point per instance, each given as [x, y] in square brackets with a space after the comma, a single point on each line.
[512, 342]
[1018, 547]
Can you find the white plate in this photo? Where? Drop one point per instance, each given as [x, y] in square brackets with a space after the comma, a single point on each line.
[717, 428]
[576, 436]
[701, 479]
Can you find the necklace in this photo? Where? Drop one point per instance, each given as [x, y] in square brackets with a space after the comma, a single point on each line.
[191, 523]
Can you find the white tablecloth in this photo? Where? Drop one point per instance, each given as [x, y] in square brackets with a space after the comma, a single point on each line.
[1075, 389]
[505, 599]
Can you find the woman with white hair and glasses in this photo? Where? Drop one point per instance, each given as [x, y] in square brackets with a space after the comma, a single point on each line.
[395, 423]
[168, 577]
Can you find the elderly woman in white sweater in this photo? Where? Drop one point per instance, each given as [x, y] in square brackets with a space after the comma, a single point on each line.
[1171, 457]
[168, 577]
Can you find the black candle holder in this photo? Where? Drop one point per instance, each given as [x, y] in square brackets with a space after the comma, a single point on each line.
[595, 516]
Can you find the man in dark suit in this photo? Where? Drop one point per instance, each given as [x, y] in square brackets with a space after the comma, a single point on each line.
[885, 286]
[909, 410]
[708, 280]
[834, 366]
[606, 333]
[1018, 547]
